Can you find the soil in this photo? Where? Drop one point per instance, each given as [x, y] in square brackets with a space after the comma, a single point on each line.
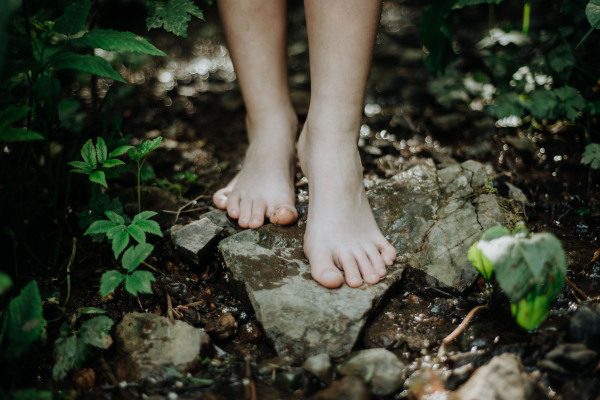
[191, 99]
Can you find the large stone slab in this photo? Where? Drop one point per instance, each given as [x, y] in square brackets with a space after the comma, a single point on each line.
[431, 217]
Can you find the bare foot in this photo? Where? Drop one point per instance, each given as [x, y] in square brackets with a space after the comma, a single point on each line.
[341, 233]
[264, 187]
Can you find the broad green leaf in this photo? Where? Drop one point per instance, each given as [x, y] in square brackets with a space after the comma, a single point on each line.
[113, 162]
[115, 230]
[109, 281]
[173, 15]
[91, 310]
[530, 311]
[96, 331]
[86, 63]
[150, 227]
[80, 165]
[592, 12]
[74, 19]
[5, 282]
[521, 263]
[137, 233]
[101, 150]
[119, 242]
[119, 151]
[591, 155]
[495, 232]
[435, 32]
[88, 153]
[19, 135]
[12, 114]
[509, 104]
[153, 144]
[135, 155]
[22, 321]
[135, 255]
[65, 350]
[139, 282]
[101, 226]
[98, 177]
[112, 40]
[113, 216]
[480, 262]
[543, 104]
[144, 215]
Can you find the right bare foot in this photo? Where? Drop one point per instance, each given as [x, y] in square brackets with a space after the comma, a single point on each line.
[265, 185]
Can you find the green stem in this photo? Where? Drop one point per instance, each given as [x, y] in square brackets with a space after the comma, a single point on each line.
[139, 191]
[491, 16]
[69, 271]
[526, 17]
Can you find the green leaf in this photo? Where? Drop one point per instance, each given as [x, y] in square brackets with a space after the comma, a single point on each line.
[110, 163]
[135, 255]
[23, 322]
[150, 227]
[508, 105]
[91, 310]
[591, 155]
[74, 19]
[137, 233]
[543, 104]
[139, 282]
[592, 12]
[86, 63]
[98, 177]
[80, 165]
[19, 135]
[88, 153]
[113, 216]
[5, 282]
[12, 114]
[532, 310]
[119, 242]
[173, 15]
[109, 281]
[101, 226]
[112, 40]
[65, 350]
[495, 232]
[144, 215]
[101, 150]
[95, 331]
[119, 151]
[480, 262]
[135, 155]
[435, 32]
[30, 394]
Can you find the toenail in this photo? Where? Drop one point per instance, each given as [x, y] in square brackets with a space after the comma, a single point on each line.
[374, 277]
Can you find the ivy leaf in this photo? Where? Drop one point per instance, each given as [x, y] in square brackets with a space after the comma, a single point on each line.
[96, 332]
[135, 255]
[109, 281]
[139, 282]
[591, 155]
[86, 63]
[98, 177]
[173, 15]
[111, 40]
[74, 19]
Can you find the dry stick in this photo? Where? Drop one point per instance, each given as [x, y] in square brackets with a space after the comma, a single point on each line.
[195, 303]
[577, 290]
[459, 328]
[170, 309]
[152, 268]
[185, 205]
[184, 211]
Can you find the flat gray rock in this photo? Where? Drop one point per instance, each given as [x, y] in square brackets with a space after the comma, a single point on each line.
[195, 238]
[431, 217]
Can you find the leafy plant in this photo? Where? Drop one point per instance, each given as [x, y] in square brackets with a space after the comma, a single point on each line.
[72, 347]
[97, 160]
[530, 269]
[139, 154]
[135, 281]
[172, 15]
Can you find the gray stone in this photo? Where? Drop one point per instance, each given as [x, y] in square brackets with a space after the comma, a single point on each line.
[503, 378]
[149, 343]
[574, 356]
[195, 239]
[431, 217]
[584, 326]
[320, 366]
[517, 194]
[347, 388]
[379, 368]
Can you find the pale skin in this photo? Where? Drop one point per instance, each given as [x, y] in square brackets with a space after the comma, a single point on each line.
[342, 241]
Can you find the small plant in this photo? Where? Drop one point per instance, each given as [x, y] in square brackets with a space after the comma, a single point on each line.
[529, 268]
[97, 160]
[139, 154]
[135, 281]
[72, 347]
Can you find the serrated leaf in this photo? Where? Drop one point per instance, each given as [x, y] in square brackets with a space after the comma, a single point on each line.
[150, 227]
[144, 215]
[101, 226]
[135, 255]
[80, 165]
[113, 216]
[12, 114]
[137, 233]
[19, 135]
[173, 15]
[88, 153]
[65, 350]
[22, 321]
[111, 40]
[591, 155]
[495, 232]
[98, 177]
[101, 150]
[119, 242]
[480, 262]
[74, 19]
[119, 151]
[109, 282]
[135, 154]
[86, 63]
[592, 12]
[116, 229]
[113, 162]
[139, 282]
[95, 332]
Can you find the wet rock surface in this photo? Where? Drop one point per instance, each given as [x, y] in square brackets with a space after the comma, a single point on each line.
[431, 217]
[195, 238]
[150, 344]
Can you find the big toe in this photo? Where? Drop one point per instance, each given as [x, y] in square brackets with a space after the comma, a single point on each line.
[220, 198]
[284, 215]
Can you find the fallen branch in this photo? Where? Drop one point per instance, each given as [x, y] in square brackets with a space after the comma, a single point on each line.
[185, 206]
[459, 329]
[578, 291]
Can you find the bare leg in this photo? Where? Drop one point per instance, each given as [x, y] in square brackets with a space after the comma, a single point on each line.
[341, 233]
[256, 33]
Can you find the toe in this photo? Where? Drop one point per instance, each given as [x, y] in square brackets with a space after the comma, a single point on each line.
[257, 219]
[245, 212]
[366, 268]
[233, 205]
[377, 261]
[220, 198]
[324, 271]
[284, 215]
[388, 252]
[351, 271]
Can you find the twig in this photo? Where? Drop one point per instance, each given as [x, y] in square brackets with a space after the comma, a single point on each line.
[152, 268]
[460, 328]
[183, 211]
[577, 290]
[170, 309]
[195, 303]
[73, 251]
[185, 205]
